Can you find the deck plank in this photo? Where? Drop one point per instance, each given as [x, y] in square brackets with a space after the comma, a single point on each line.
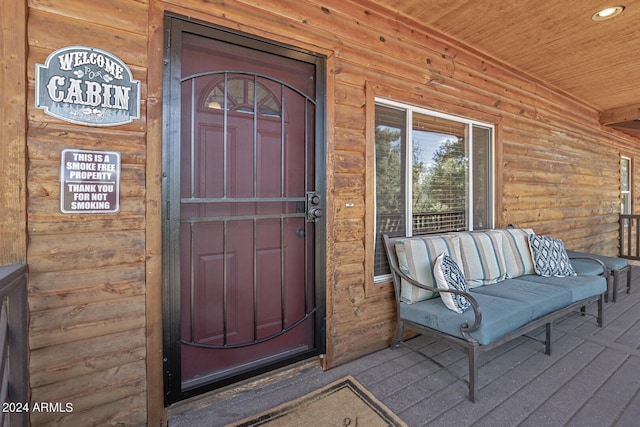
[591, 378]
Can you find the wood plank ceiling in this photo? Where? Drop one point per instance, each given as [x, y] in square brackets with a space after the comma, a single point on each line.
[557, 42]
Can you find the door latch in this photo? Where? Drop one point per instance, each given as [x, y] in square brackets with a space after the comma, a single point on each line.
[313, 206]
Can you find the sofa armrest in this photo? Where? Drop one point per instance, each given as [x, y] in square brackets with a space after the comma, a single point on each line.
[605, 271]
[398, 276]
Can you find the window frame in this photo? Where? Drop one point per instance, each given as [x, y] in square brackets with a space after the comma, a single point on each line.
[628, 192]
[469, 123]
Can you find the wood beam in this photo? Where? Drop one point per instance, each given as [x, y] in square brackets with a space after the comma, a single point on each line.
[620, 114]
[630, 128]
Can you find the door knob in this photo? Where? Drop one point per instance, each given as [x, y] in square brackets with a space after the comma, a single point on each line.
[314, 213]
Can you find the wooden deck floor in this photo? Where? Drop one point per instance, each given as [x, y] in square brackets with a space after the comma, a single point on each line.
[592, 378]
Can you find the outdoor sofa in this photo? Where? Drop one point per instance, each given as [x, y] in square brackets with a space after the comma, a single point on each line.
[511, 282]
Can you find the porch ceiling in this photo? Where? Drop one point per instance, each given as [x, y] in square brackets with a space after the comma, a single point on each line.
[554, 41]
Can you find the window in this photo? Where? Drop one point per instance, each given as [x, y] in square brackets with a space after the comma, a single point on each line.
[625, 185]
[241, 93]
[434, 173]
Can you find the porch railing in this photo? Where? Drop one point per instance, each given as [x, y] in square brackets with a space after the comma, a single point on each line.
[422, 222]
[14, 374]
[429, 222]
[630, 236]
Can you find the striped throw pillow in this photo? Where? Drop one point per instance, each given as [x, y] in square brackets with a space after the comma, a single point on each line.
[482, 257]
[517, 255]
[417, 256]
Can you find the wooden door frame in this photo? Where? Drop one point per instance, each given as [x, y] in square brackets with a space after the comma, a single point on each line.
[174, 26]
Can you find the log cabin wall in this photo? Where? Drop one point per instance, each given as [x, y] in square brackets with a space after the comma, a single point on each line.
[13, 81]
[87, 271]
[95, 280]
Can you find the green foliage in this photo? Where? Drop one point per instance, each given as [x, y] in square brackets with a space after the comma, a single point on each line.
[442, 186]
[438, 186]
[389, 177]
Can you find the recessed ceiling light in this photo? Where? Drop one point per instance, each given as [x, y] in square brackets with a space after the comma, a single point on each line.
[607, 13]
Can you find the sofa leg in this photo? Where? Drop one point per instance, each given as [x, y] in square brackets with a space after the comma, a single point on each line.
[547, 350]
[472, 352]
[611, 287]
[600, 321]
[617, 275]
[399, 332]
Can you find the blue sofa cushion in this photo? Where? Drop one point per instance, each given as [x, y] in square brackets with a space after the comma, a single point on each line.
[581, 287]
[612, 263]
[542, 299]
[499, 317]
[586, 266]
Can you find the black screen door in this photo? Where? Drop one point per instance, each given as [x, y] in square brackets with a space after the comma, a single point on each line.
[243, 217]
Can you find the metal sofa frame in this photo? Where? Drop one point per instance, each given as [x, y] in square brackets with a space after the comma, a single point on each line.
[468, 343]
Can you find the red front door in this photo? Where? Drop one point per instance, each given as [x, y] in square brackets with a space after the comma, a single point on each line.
[246, 211]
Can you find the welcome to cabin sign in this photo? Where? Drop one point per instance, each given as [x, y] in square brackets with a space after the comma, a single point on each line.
[87, 86]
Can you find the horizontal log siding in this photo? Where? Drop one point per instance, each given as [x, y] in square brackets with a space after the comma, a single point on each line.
[557, 171]
[87, 272]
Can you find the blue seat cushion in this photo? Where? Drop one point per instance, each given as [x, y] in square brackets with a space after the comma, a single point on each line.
[581, 287]
[499, 316]
[612, 263]
[586, 266]
[541, 299]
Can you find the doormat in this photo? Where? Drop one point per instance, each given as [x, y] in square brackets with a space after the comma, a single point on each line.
[342, 403]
